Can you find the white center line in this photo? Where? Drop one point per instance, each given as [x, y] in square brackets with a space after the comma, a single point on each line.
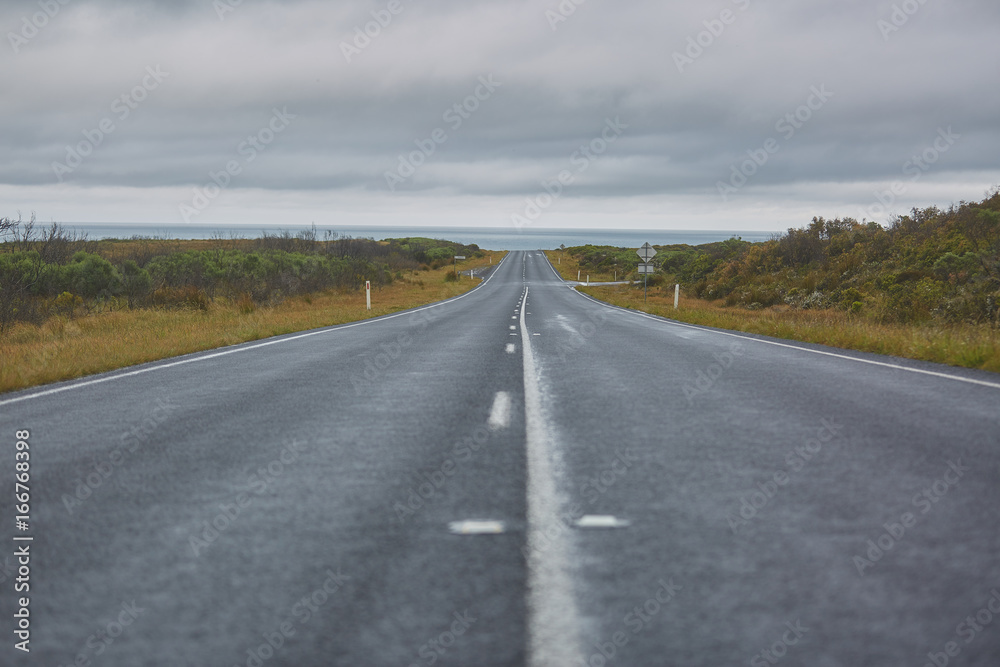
[552, 615]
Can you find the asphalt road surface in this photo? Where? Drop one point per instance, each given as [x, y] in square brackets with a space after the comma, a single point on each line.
[519, 476]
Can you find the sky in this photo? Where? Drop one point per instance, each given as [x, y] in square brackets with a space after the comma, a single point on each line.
[729, 114]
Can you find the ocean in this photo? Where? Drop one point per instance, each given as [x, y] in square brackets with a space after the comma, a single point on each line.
[491, 238]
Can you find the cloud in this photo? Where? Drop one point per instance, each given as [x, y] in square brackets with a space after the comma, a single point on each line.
[362, 100]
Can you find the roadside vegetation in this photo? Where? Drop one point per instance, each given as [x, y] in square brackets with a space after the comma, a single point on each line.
[925, 287]
[71, 307]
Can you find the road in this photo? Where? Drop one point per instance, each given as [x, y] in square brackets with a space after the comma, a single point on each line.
[519, 476]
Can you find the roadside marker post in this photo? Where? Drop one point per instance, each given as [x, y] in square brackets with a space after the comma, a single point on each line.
[677, 295]
[368, 293]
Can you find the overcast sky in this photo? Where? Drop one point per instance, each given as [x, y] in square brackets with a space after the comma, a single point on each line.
[731, 114]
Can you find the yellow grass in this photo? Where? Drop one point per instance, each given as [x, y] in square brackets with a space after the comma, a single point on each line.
[958, 345]
[63, 349]
[568, 266]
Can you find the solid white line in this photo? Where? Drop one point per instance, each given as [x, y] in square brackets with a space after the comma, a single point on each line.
[240, 347]
[552, 615]
[500, 412]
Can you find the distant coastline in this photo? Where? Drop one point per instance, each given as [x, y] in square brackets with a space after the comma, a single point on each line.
[493, 238]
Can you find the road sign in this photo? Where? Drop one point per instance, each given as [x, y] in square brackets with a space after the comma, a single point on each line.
[645, 253]
[457, 257]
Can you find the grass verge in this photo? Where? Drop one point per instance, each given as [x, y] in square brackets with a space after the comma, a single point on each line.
[569, 267]
[968, 346]
[64, 349]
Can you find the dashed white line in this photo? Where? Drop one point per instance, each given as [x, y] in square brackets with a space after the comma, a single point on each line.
[476, 527]
[511, 348]
[500, 412]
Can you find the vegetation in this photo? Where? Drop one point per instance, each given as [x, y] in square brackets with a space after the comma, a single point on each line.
[932, 275]
[55, 273]
[74, 307]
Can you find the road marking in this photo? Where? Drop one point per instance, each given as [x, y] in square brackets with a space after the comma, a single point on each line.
[511, 348]
[513, 328]
[476, 527]
[239, 347]
[946, 376]
[513, 317]
[601, 521]
[552, 615]
[500, 412]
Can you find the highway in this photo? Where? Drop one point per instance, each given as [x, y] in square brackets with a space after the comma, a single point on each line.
[518, 476]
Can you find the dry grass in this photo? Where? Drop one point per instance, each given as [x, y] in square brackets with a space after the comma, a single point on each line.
[63, 349]
[957, 345]
[568, 266]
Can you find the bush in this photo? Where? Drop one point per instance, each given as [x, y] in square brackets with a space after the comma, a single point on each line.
[181, 297]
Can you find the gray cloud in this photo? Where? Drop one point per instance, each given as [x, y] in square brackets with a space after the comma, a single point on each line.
[560, 81]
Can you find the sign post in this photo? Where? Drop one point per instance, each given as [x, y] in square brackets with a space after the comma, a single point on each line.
[646, 253]
[368, 293]
[457, 257]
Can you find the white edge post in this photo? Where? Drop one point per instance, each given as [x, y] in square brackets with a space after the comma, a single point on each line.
[368, 293]
[677, 294]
